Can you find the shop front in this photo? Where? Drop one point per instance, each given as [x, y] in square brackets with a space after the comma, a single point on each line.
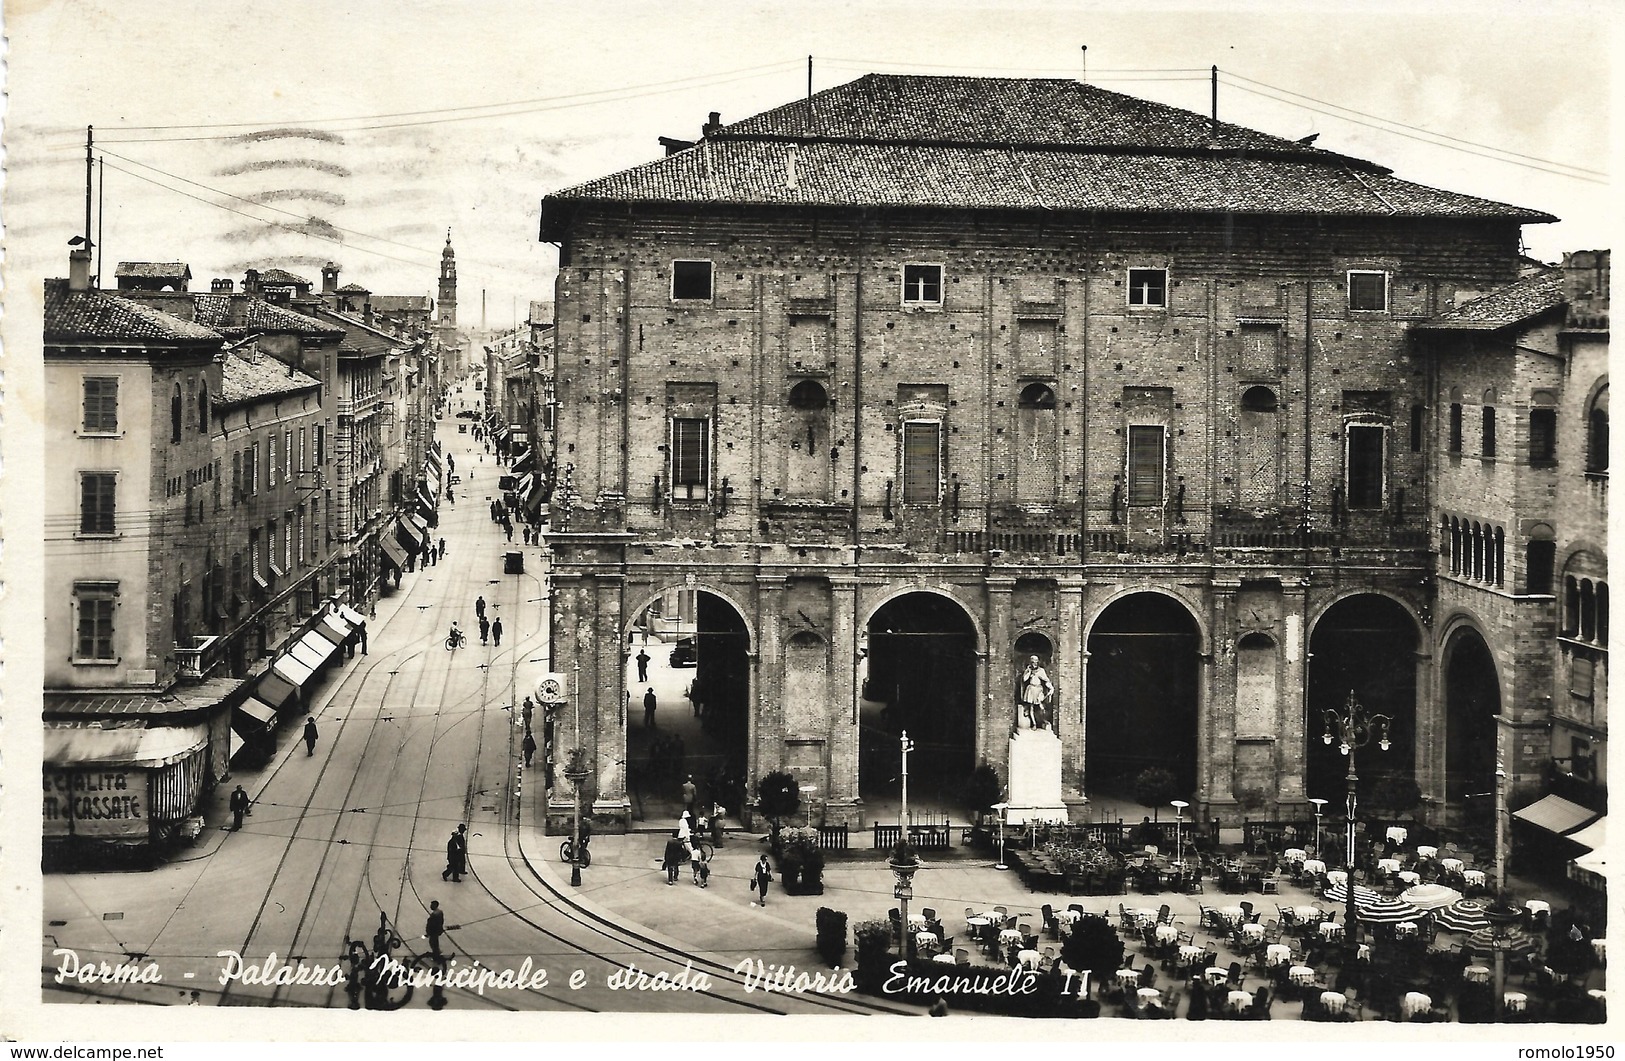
[112, 785]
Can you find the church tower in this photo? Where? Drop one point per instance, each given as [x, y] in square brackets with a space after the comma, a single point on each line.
[448, 294]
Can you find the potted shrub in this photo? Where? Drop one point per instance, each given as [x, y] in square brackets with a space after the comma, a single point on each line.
[777, 797]
[801, 865]
[872, 942]
[1093, 945]
[831, 936]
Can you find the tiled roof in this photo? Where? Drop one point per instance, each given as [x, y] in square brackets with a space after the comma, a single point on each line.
[1515, 303]
[178, 699]
[239, 312]
[154, 270]
[397, 303]
[358, 337]
[984, 143]
[75, 316]
[353, 289]
[247, 375]
[281, 277]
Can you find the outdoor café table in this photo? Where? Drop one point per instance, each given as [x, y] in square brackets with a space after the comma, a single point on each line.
[1145, 916]
[916, 919]
[1253, 931]
[1388, 865]
[1167, 933]
[1011, 935]
[1538, 906]
[1277, 954]
[1424, 851]
[1314, 866]
[1415, 1003]
[1473, 878]
[1067, 917]
[1515, 1001]
[1397, 834]
[1409, 877]
[1337, 876]
[946, 959]
[1148, 994]
[980, 924]
[1451, 865]
[1309, 914]
[1333, 1001]
[1127, 977]
[1406, 929]
[1239, 1001]
[1189, 954]
[927, 942]
[1215, 975]
[1294, 854]
[1028, 958]
[1330, 931]
[1476, 974]
[1232, 913]
[1302, 975]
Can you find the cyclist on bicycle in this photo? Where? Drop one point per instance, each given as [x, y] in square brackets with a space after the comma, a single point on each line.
[455, 638]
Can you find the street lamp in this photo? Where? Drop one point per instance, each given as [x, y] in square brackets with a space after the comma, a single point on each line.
[1003, 809]
[1320, 806]
[904, 863]
[575, 771]
[1355, 729]
[903, 818]
[1179, 806]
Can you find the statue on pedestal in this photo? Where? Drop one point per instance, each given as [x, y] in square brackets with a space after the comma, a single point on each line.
[1033, 694]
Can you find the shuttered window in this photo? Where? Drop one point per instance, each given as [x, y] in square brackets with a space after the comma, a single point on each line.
[95, 602]
[922, 461]
[1145, 465]
[1364, 466]
[1489, 430]
[101, 405]
[690, 458]
[96, 502]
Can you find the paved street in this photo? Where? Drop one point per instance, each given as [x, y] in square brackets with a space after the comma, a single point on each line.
[414, 739]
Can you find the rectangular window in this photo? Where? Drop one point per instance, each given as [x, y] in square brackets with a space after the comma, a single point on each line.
[1582, 676]
[1368, 290]
[97, 502]
[690, 281]
[690, 457]
[304, 453]
[287, 455]
[287, 541]
[254, 553]
[101, 405]
[251, 474]
[1148, 287]
[321, 444]
[922, 285]
[270, 460]
[1364, 465]
[95, 602]
[1418, 427]
[922, 462]
[1489, 431]
[1542, 436]
[1455, 427]
[1146, 464]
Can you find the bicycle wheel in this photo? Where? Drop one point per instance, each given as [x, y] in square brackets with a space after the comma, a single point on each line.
[451, 643]
[705, 850]
[586, 857]
[564, 851]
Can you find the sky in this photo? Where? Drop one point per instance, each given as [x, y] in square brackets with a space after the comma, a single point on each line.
[298, 133]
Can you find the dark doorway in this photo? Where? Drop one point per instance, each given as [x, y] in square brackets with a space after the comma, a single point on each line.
[1366, 645]
[920, 678]
[1472, 702]
[1142, 695]
[697, 664]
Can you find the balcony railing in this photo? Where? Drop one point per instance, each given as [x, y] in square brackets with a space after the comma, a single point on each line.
[196, 663]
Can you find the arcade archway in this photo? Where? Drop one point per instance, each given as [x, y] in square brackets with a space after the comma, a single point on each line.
[1364, 644]
[1144, 665]
[919, 676]
[691, 649]
[1472, 703]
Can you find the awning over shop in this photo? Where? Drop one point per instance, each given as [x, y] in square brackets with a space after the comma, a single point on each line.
[291, 670]
[1556, 815]
[1590, 869]
[1594, 836]
[393, 554]
[252, 720]
[327, 634]
[276, 691]
[525, 463]
[144, 746]
[351, 616]
[331, 621]
[503, 432]
[522, 487]
[533, 502]
[409, 535]
[425, 500]
[316, 646]
[432, 460]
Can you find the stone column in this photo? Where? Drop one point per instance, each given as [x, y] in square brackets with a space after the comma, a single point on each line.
[604, 694]
[1292, 754]
[766, 739]
[1430, 736]
[844, 802]
[996, 712]
[1071, 677]
[1216, 749]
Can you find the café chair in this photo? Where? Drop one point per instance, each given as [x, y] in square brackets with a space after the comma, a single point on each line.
[961, 956]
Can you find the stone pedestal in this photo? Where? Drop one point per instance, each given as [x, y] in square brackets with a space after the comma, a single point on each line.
[1035, 777]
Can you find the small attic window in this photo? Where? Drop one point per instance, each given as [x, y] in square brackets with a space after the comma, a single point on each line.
[691, 281]
[1148, 287]
[922, 285]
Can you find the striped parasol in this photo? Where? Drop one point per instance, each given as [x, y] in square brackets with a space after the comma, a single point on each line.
[1514, 941]
[1463, 915]
[1430, 896]
[1373, 907]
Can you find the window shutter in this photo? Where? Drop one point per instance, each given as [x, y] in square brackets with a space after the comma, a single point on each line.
[1365, 445]
[922, 445]
[688, 452]
[1145, 470]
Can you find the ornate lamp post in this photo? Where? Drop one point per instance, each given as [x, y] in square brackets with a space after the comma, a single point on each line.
[1179, 806]
[1354, 729]
[1320, 806]
[903, 818]
[1501, 916]
[1003, 809]
[575, 772]
[904, 863]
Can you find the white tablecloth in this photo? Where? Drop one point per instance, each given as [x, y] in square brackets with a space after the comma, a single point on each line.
[1388, 865]
[1474, 877]
[1307, 913]
[1415, 1003]
[1452, 865]
[1331, 930]
[1067, 916]
[1333, 1001]
[1301, 974]
[1409, 877]
[1314, 865]
[1277, 954]
[1538, 906]
[1144, 916]
[1515, 1001]
[1397, 834]
[1337, 876]
[1424, 851]
[1234, 913]
[946, 959]
[1215, 975]
[1149, 994]
[1189, 953]
[1295, 854]
[1406, 929]
[1010, 935]
[1476, 974]
[1128, 977]
[927, 942]
[1239, 1000]
[1253, 931]
[1029, 958]
[1167, 933]
[916, 919]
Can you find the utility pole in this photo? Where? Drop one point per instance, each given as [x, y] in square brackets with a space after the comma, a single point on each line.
[90, 174]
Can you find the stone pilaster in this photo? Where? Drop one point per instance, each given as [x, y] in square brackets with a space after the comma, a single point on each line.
[844, 803]
[1071, 682]
[995, 700]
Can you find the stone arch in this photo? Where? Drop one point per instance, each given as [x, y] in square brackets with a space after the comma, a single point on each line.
[1197, 612]
[629, 615]
[940, 591]
[1472, 694]
[1316, 615]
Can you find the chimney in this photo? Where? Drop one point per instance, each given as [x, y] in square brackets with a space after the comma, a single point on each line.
[713, 125]
[79, 269]
[330, 278]
[251, 280]
[366, 312]
[221, 285]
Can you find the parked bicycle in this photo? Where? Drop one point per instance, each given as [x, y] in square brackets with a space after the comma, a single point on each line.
[566, 850]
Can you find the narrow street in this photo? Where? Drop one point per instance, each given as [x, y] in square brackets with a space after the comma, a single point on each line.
[413, 740]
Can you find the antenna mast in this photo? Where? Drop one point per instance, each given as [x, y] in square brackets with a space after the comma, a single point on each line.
[1085, 50]
[101, 214]
[90, 175]
[1214, 126]
[809, 77]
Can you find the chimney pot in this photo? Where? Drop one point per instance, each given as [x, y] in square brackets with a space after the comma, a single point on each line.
[79, 270]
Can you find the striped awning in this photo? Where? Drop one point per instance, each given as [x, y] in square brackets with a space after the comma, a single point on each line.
[1556, 815]
[524, 463]
[393, 554]
[143, 746]
[412, 536]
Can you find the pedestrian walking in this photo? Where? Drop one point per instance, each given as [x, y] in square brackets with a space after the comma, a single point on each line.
[239, 807]
[456, 856]
[479, 606]
[696, 859]
[674, 857]
[649, 703]
[689, 794]
[451, 463]
[435, 927]
[716, 823]
[685, 828]
[507, 528]
[496, 631]
[485, 630]
[529, 747]
[310, 735]
[526, 711]
[761, 877]
[442, 548]
[362, 629]
[643, 665]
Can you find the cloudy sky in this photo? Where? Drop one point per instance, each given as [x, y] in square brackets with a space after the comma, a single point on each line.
[295, 133]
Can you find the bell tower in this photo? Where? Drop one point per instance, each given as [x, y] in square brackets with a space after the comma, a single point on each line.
[448, 293]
